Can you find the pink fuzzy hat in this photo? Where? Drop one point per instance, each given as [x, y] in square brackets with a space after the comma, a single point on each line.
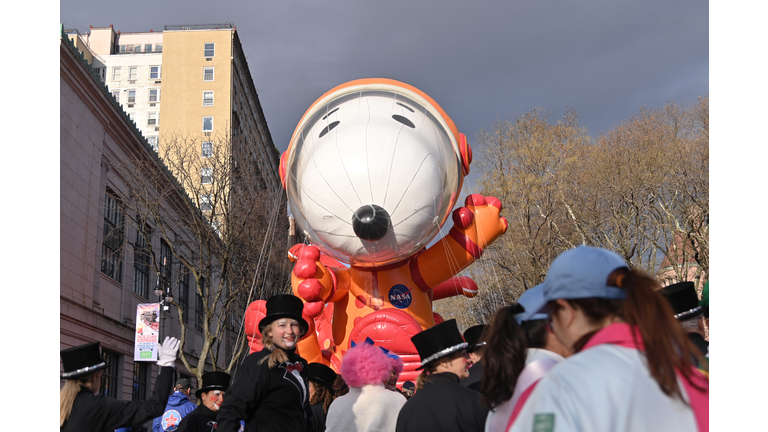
[365, 364]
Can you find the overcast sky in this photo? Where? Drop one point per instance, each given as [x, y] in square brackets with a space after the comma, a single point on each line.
[480, 60]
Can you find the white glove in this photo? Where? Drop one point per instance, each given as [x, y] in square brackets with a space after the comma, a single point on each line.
[166, 353]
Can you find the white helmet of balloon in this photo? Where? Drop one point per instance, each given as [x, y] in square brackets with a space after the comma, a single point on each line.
[373, 171]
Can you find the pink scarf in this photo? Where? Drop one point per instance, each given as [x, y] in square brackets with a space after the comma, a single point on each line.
[621, 334]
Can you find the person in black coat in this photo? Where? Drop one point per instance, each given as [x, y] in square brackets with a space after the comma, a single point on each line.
[475, 344]
[271, 388]
[211, 396]
[83, 409]
[321, 379]
[688, 312]
[440, 402]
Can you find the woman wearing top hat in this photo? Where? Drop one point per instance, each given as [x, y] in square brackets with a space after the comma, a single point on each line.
[211, 396]
[632, 368]
[82, 408]
[321, 379]
[440, 402]
[270, 391]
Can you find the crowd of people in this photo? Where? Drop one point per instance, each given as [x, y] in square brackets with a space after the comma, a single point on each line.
[597, 346]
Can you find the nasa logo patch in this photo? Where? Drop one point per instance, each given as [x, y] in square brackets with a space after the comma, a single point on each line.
[171, 420]
[400, 296]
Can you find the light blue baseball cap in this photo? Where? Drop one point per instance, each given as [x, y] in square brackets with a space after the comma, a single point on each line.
[581, 272]
[532, 301]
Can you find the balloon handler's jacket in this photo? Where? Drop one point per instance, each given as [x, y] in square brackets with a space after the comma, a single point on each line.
[178, 407]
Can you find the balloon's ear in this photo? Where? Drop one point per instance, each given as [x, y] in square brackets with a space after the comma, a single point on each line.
[466, 153]
[283, 162]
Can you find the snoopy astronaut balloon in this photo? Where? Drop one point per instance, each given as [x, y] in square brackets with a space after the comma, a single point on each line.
[372, 173]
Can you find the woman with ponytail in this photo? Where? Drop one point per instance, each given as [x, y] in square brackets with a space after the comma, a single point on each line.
[270, 390]
[82, 408]
[632, 367]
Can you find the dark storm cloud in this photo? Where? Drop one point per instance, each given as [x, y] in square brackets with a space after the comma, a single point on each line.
[480, 60]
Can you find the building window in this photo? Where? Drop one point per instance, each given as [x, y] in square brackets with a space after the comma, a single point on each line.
[116, 72]
[207, 74]
[154, 95]
[122, 49]
[131, 96]
[116, 95]
[199, 307]
[184, 296]
[166, 262]
[206, 175]
[152, 141]
[147, 47]
[130, 116]
[109, 375]
[206, 202]
[137, 48]
[102, 73]
[133, 73]
[208, 124]
[209, 49]
[152, 119]
[207, 98]
[139, 381]
[112, 246]
[158, 47]
[155, 72]
[141, 261]
[207, 149]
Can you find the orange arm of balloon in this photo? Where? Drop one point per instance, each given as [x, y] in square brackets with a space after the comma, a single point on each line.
[475, 227]
[460, 285]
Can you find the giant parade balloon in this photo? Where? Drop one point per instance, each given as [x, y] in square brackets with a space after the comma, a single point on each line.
[372, 173]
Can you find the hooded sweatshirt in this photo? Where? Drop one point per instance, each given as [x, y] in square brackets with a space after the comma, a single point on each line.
[178, 407]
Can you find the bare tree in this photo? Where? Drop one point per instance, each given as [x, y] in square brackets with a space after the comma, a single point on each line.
[641, 189]
[227, 233]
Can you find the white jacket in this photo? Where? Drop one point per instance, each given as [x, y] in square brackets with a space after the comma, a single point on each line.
[535, 358]
[605, 388]
[368, 408]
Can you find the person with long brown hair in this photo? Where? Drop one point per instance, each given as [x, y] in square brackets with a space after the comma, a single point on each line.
[82, 408]
[321, 379]
[504, 360]
[632, 368]
[270, 390]
[544, 351]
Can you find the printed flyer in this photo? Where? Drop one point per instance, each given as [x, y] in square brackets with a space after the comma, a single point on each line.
[147, 332]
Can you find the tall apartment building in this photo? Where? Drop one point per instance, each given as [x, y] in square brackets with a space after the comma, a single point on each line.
[104, 266]
[190, 82]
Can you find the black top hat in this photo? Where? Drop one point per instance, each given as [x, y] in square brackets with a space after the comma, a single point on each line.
[438, 341]
[683, 299]
[284, 306]
[322, 374]
[213, 381]
[82, 360]
[473, 336]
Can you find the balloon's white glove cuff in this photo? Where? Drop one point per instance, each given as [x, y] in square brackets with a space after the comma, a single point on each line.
[166, 353]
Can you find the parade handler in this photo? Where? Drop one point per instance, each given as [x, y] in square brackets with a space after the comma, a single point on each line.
[440, 402]
[82, 408]
[271, 388]
[211, 396]
[632, 369]
[178, 407]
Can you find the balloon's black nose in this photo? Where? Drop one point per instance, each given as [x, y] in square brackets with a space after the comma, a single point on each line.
[370, 222]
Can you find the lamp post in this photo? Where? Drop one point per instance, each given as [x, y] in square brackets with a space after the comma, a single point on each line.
[165, 297]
